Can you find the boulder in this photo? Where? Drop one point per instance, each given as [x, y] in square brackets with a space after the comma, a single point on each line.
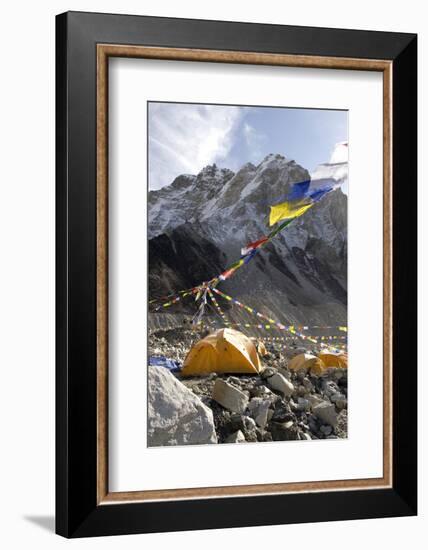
[236, 437]
[268, 372]
[260, 391]
[259, 408]
[314, 400]
[303, 404]
[326, 429]
[279, 383]
[175, 415]
[249, 423]
[339, 374]
[241, 422]
[330, 388]
[285, 372]
[301, 391]
[284, 431]
[229, 397]
[308, 384]
[282, 412]
[326, 412]
[235, 381]
[341, 403]
[339, 399]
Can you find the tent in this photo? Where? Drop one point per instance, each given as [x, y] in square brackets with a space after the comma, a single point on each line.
[226, 350]
[331, 359]
[259, 345]
[261, 348]
[307, 362]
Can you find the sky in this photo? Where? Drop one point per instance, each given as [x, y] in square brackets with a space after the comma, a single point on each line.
[183, 138]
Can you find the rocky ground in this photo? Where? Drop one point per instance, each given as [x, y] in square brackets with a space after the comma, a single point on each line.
[275, 405]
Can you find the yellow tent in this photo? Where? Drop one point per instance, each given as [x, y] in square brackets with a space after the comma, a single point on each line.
[225, 350]
[307, 362]
[259, 345]
[331, 359]
[261, 348]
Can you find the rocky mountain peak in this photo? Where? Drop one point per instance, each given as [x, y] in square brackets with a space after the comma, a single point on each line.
[183, 181]
[300, 276]
[213, 174]
[248, 167]
[272, 157]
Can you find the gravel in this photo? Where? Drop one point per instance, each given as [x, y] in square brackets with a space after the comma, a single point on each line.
[274, 411]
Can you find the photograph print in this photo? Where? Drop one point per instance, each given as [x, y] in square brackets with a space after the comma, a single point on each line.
[247, 274]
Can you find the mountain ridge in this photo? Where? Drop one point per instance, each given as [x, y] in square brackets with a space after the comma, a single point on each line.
[300, 276]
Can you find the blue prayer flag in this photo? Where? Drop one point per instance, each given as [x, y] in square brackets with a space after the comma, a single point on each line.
[319, 193]
[298, 191]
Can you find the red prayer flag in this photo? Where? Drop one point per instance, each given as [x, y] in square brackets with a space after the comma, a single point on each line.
[253, 245]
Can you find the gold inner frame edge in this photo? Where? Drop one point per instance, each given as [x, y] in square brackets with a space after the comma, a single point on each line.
[104, 52]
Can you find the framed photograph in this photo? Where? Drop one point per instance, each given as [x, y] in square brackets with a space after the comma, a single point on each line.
[236, 274]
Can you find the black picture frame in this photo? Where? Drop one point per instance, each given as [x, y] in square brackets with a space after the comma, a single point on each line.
[77, 512]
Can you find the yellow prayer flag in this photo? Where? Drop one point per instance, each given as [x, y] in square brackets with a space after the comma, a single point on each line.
[287, 210]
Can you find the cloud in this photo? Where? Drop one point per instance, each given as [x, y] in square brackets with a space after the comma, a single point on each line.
[183, 138]
[254, 141]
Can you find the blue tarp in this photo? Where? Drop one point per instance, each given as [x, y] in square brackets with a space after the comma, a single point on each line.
[162, 361]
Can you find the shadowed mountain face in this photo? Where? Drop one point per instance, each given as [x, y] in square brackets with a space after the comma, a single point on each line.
[198, 224]
[181, 259]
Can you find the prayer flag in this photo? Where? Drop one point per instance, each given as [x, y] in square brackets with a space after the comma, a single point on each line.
[319, 193]
[252, 246]
[250, 256]
[298, 191]
[287, 210]
[279, 228]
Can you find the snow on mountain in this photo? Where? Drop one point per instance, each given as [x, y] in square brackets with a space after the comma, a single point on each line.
[185, 199]
[300, 276]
